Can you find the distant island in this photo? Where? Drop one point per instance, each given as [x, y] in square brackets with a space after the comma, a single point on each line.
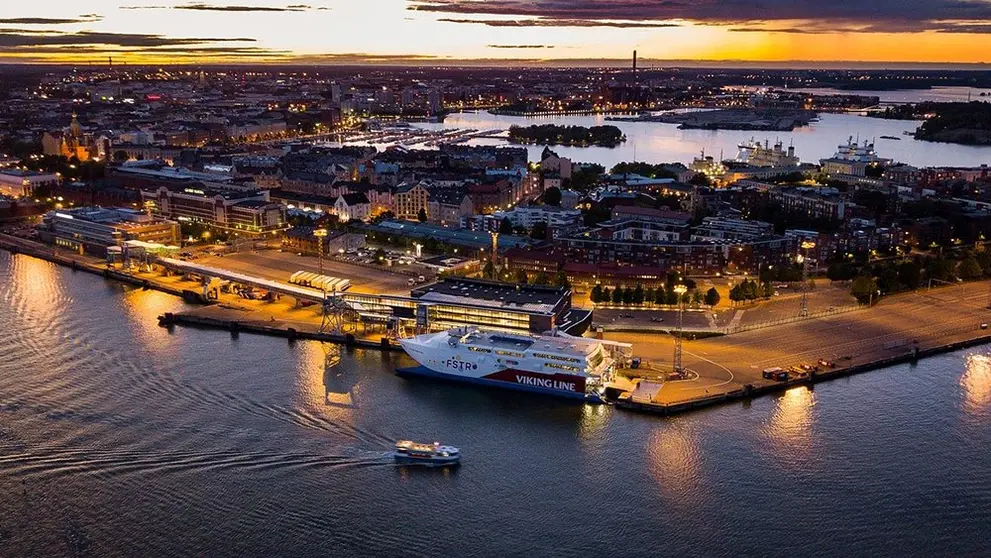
[773, 120]
[575, 136]
[963, 123]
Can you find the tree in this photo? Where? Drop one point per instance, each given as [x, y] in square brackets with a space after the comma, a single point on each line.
[648, 295]
[628, 296]
[505, 226]
[864, 288]
[421, 215]
[841, 272]
[120, 156]
[887, 280]
[552, 196]
[521, 277]
[696, 297]
[670, 296]
[700, 180]
[736, 293]
[970, 269]
[766, 290]
[748, 289]
[910, 275]
[539, 231]
[617, 295]
[596, 294]
[712, 297]
[939, 268]
[542, 279]
[660, 297]
[489, 270]
[561, 280]
[638, 295]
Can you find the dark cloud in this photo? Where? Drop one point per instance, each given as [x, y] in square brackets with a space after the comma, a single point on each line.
[8, 39]
[520, 46]
[562, 23]
[203, 7]
[853, 15]
[49, 20]
[223, 8]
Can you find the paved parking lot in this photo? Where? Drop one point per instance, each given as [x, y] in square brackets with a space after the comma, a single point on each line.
[278, 266]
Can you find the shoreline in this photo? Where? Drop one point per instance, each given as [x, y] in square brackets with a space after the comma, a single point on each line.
[236, 326]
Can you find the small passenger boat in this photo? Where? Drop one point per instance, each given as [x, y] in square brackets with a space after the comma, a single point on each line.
[426, 454]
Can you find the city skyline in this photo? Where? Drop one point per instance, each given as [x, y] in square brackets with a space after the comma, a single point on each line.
[555, 32]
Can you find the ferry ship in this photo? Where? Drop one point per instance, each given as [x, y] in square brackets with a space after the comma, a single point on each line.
[556, 364]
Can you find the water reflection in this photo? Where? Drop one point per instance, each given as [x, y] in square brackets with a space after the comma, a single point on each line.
[790, 427]
[37, 286]
[593, 419]
[143, 307]
[665, 142]
[674, 460]
[324, 384]
[976, 384]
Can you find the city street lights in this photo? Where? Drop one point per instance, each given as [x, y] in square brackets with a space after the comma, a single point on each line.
[680, 290]
[806, 245]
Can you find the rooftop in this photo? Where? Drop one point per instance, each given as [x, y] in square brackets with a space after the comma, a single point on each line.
[491, 293]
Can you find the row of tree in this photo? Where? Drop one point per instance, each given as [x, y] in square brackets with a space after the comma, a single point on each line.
[639, 295]
[750, 290]
[521, 277]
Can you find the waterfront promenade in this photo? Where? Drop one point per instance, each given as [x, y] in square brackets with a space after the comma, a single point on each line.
[723, 368]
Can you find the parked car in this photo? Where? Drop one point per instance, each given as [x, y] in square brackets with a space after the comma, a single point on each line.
[826, 363]
[771, 373]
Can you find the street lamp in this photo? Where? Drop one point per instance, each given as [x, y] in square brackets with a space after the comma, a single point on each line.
[680, 290]
[320, 234]
[806, 245]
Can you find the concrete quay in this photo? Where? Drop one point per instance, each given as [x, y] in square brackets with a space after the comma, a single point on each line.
[900, 328]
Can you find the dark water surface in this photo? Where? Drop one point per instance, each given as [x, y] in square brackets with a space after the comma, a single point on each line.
[118, 438]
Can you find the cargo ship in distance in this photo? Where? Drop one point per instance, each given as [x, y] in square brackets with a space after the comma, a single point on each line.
[555, 364]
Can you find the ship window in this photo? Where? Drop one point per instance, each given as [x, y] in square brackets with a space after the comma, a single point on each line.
[562, 367]
[479, 350]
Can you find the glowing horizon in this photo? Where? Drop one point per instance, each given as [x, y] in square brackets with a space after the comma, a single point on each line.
[500, 31]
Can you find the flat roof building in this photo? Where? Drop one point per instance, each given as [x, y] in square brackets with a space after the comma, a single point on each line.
[94, 229]
[23, 183]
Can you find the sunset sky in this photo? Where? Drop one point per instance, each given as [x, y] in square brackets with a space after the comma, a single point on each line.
[430, 31]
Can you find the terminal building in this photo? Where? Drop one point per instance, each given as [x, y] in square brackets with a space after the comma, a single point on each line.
[94, 230]
[458, 302]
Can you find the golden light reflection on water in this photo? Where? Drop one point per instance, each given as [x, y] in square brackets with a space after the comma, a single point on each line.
[143, 307]
[675, 462]
[38, 283]
[976, 384]
[323, 384]
[791, 425]
[593, 419]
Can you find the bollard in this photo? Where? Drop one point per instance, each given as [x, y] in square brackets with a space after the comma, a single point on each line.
[748, 390]
[292, 334]
[349, 340]
[385, 344]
